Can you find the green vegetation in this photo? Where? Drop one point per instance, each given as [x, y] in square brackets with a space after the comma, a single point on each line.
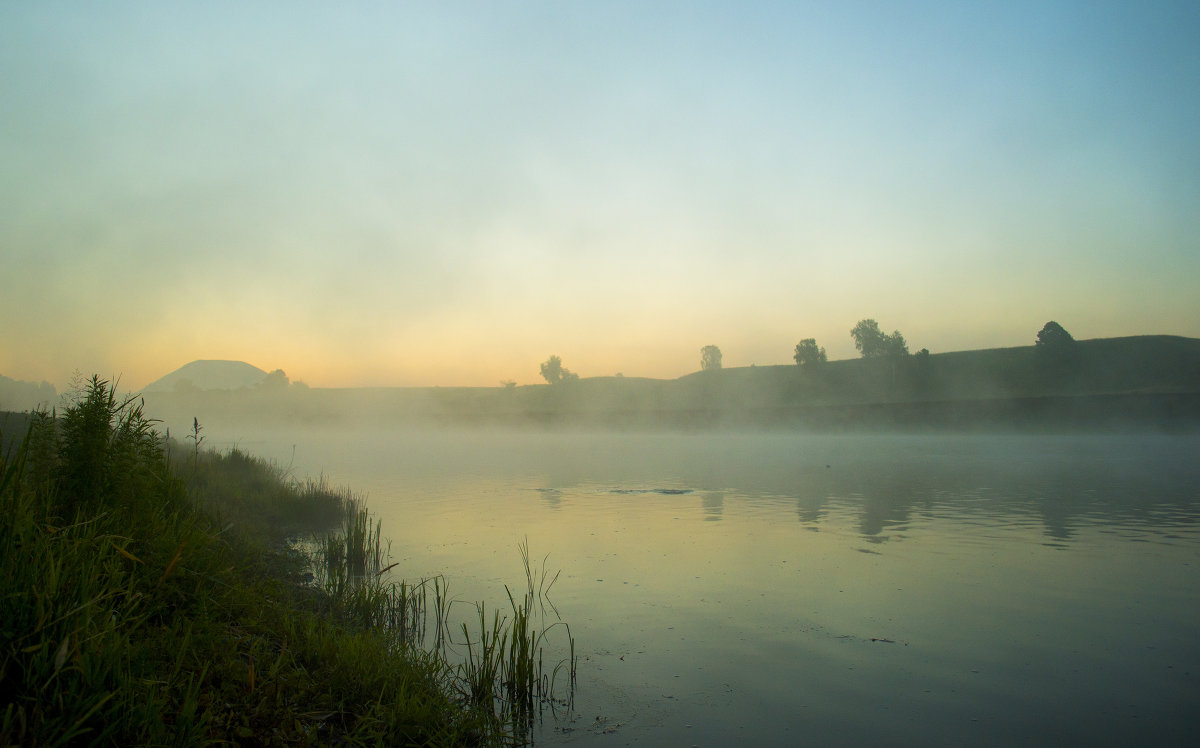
[874, 343]
[808, 353]
[150, 598]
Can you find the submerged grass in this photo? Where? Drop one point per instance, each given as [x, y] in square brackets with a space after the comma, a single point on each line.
[149, 598]
[497, 665]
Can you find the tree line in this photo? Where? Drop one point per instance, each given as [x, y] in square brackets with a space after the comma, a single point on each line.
[870, 340]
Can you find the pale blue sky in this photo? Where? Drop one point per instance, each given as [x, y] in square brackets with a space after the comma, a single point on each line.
[447, 193]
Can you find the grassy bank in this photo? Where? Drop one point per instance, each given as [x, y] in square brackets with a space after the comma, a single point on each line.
[149, 597]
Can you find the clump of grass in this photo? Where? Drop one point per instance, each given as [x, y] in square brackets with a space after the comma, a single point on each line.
[497, 665]
[505, 664]
[257, 500]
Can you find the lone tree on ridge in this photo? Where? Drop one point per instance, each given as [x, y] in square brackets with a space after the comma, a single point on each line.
[1052, 335]
[808, 353]
[554, 372]
[874, 343]
[710, 358]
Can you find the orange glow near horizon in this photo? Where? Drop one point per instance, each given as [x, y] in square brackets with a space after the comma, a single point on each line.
[443, 198]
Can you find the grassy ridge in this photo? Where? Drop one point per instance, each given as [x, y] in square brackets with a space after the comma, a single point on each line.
[963, 386]
[148, 599]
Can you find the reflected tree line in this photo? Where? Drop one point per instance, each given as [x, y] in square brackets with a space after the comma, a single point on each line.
[1061, 484]
[1153, 493]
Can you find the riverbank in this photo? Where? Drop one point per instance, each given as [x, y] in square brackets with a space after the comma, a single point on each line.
[149, 598]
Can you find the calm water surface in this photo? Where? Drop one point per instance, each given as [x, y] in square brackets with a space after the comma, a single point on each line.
[823, 590]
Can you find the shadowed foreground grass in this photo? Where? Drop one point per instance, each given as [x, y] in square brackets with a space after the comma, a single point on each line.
[149, 597]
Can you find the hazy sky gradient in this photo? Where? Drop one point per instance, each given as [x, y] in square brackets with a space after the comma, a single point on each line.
[447, 193]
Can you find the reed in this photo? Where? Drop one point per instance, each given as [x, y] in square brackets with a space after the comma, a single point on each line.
[496, 662]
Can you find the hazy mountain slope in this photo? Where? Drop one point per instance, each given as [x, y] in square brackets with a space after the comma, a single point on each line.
[16, 395]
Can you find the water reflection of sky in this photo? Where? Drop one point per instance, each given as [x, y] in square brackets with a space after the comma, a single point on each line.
[1141, 488]
[1138, 488]
[740, 589]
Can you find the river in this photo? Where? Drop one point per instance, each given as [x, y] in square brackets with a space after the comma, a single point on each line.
[784, 589]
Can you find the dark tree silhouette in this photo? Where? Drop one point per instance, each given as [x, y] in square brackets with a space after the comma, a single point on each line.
[276, 380]
[923, 366]
[554, 372]
[1052, 335]
[1057, 356]
[868, 338]
[895, 346]
[874, 343]
[710, 358]
[808, 353]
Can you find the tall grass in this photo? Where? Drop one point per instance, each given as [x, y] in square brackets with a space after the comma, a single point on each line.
[505, 662]
[147, 599]
[496, 662]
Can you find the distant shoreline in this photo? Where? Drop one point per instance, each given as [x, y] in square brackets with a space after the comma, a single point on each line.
[1152, 412]
[1149, 382]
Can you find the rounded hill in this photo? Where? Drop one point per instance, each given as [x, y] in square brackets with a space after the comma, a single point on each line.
[209, 375]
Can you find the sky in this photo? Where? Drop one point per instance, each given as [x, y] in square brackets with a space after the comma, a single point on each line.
[395, 194]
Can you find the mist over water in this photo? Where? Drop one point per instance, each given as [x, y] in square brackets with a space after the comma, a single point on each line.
[409, 206]
[824, 589]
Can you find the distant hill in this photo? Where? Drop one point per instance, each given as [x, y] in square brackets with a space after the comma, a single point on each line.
[1138, 364]
[16, 395]
[208, 375]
